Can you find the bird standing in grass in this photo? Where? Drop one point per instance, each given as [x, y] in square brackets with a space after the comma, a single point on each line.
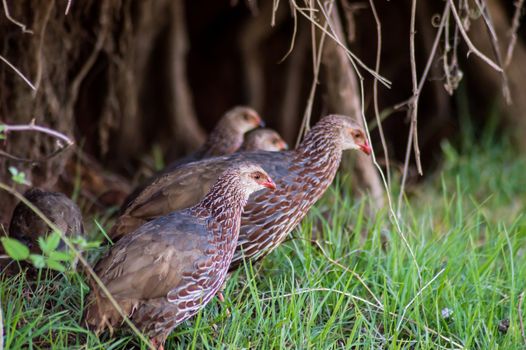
[168, 269]
[302, 176]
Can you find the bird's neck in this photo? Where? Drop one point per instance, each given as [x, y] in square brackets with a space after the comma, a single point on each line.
[224, 202]
[320, 152]
[222, 140]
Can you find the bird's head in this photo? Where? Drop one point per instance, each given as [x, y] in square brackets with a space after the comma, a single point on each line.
[243, 119]
[264, 140]
[352, 134]
[253, 178]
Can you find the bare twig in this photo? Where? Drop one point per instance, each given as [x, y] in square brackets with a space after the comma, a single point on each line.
[68, 7]
[294, 80]
[5, 128]
[472, 47]
[41, 45]
[20, 24]
[28, 82]
[483, 8]
[79, 256]
[305, 123]
[352, 56]
[413, 109]
[521, 323]
[431, 57]
[513, 32]
[414, 99]
[42, 129]
[375, 91]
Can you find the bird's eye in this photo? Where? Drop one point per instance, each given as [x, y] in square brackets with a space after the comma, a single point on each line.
[257, 176]
[275, 141]
[246, 117]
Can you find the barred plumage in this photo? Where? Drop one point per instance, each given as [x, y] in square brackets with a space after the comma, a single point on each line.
[302, 176]
[169, 268]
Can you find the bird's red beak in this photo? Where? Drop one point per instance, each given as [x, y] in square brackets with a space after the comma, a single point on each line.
[284, 145]
[261, 122]
[269, 184]
[365, 148]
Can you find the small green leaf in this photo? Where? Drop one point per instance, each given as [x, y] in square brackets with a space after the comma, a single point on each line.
[55, 265]
[60, 256]
[42, 243]
[53, 240]
[18, 176]
[38, 261]
[2, 127]
[15, 249]
[81, 242]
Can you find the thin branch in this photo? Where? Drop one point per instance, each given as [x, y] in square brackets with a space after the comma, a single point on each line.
[302, 11]
[79, 256]
[513, 32]
[431, 57]
[305, 123]
[68, 7]
[483, 8]
[42, 129]
[28, 82]
[472, 47]
[294, 33]
[414, 100]
[413, 109]
[20, 24]
[5, 128]
[375, 90]
[40, 56]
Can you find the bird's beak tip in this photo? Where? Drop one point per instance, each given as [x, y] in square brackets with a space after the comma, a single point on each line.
[269, 184]
[365, 148]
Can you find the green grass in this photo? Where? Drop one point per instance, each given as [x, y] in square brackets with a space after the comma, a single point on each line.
[358, 286]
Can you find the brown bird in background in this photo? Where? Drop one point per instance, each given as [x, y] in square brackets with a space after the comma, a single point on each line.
[263, 139]
[168, 269]
[302, 176]
[227, 135]
[226, 138]
[27, 227]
